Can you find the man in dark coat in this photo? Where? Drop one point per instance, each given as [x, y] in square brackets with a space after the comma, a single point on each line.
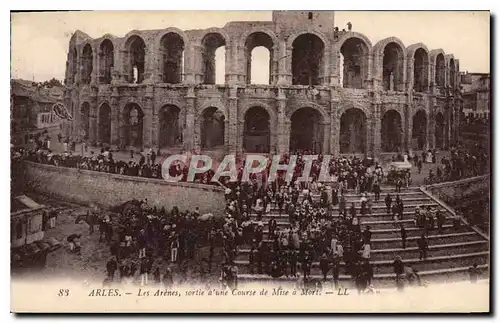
[111, 267]
[423, 246]
[388, 203]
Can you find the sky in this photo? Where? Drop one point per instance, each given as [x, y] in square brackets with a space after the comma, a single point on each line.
[39, 41]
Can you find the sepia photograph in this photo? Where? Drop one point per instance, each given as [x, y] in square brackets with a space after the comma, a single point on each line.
[250, 161]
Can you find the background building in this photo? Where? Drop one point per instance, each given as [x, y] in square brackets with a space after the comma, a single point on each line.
[32, 112]
[329, 91]
[476, 94]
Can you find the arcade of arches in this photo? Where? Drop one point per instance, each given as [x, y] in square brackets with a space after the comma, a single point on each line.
[305, 130]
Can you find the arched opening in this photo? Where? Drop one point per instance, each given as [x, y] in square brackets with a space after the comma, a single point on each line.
[392, 67]
[106, 61]
[308, 52]
[172, 53]
[258, 54]
[87, 64]
[354, 63]
[353, 131]
[392, 131]
[85, 120]
[306, 131]
[439, 130]
[421, 71]
[170, 134]
[104, 125]
[136, 59]
[256, 131]
[132, 126]
[212, 128]
[214, 46]
[452, 73]
[74, 64]
[419, 131]
[440, 69]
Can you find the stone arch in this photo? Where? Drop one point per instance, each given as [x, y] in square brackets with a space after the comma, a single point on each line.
[243, 38]
[312, 31]
[324, 116]
[438, 64]
[213, 103]
[307, 129]
[418, 73]
[159, 35]
[104, 123]
[450, 71]
[256, 130]
[86, 62]
[309, 55]
[132, 125]
[419, 129]
[391, 54]
[172, 47]
[106, 60]
[256, 39]
[211, 42]
[134, 48]
[353, 131]
[344, 107]
[392, 131]
[353, 51]
[273, 120]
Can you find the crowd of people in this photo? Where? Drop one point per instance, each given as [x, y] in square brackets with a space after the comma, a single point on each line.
[147, 242]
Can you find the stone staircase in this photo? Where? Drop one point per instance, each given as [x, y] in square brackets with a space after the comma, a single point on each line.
[450, 254]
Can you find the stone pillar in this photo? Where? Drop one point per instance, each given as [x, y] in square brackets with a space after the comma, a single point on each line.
[93, 118]
[326, 138]
[281, 135]
[94, 75]
[232, 124]
[431, 126]
[115, 119]
[147, 121]
[274, 62]
[376, 129]
[149, 65]
[334, 77]
[334, 128]
[191, 133]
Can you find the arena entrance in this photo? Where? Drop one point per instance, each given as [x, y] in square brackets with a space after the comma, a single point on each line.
[169, 134]
[439, 130]
[104, 124]
[306, 131]
[132, 126]
[353, 132]
[419, 130]
[212, 128]
[256, 133]
[392, 132]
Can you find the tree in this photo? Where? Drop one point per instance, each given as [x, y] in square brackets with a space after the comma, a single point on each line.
[48, 84]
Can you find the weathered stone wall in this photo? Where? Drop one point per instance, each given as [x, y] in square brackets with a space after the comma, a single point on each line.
[453, 191]
[280, 98]
[107, 190]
